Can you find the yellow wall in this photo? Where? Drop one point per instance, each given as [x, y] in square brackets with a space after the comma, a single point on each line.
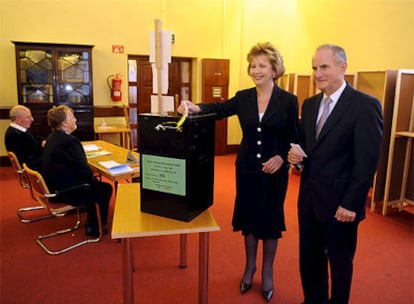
[377, 34]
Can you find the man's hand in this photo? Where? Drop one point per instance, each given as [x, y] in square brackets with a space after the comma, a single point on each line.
[344, 215]
[295, 156]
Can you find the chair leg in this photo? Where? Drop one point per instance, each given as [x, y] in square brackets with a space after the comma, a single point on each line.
[27, 220]
[64, 231]
[98, 217]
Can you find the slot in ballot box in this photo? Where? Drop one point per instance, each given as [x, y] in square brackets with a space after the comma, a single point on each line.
[177, 164]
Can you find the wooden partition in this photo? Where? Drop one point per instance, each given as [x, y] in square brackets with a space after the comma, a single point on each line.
[287, 82]
[351, 79]
[303, 88]
[380, 84]
[399, 182]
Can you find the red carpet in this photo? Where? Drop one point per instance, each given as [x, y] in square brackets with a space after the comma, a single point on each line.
[384, 263]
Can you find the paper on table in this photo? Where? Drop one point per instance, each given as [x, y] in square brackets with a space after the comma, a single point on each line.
[96, 153]
[114, 167]
[91, 147]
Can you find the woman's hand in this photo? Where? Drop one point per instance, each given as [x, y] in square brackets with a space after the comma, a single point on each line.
[192, 108]
[272, 165]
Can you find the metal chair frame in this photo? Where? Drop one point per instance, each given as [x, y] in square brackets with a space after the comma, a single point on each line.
[43, 196]
[25, 184]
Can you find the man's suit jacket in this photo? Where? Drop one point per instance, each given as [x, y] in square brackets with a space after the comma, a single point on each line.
[341, 163]
[27, 147]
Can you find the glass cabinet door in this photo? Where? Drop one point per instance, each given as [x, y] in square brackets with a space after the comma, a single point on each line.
[35, 68]
[73, 77]
[52, 74]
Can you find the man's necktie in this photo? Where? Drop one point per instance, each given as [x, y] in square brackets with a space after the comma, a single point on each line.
[324, 116]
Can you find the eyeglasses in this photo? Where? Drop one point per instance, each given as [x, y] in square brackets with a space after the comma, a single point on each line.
[26, 116]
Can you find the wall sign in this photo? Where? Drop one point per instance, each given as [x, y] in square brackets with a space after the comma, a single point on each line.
[117, 49]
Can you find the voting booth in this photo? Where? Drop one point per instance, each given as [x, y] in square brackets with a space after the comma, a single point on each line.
[177, 164]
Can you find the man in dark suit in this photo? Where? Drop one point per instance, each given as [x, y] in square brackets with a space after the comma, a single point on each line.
[339, 158]
[18, 139]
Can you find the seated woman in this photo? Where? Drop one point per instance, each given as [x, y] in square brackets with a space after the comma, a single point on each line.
[65, 166]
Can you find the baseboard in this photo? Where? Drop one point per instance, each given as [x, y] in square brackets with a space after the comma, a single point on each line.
[4, 161]
[232, 148]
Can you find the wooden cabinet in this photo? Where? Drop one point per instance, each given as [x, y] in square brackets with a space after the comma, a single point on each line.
[399, 181]
[215, 83]
[216, 71]
[54, 74]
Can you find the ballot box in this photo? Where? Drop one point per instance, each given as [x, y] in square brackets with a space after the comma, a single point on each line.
[177, 164]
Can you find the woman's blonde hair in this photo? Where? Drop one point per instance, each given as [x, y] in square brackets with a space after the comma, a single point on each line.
[271, 53]
[57, 115]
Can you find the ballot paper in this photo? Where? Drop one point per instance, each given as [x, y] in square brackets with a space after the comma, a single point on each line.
[298, 149]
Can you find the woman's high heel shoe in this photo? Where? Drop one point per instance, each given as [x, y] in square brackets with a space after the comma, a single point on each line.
[267, 294]
[245, 287]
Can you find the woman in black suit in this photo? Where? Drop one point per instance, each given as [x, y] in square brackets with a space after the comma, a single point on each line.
[268, 118]
[337, 174]
[65, 166]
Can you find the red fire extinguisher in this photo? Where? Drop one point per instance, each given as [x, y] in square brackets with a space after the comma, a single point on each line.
[114, 84]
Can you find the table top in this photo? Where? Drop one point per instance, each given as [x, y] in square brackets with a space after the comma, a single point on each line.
[111, 129]
[129, 221]
[117, 154]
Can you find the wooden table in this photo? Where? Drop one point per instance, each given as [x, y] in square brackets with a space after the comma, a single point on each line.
[123, 131]
[129, 222]
[117, 154]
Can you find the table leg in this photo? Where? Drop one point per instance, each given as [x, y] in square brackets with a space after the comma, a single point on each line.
[127, 278]
[122, 139]
[183, 250]
[203, 268]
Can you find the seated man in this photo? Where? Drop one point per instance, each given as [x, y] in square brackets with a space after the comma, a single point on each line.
[65, 166]
[27, 147]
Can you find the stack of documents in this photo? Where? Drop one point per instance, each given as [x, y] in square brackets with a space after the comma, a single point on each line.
[114, 167]
[94, 150]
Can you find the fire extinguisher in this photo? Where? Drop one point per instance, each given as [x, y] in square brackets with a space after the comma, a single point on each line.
[114, 84]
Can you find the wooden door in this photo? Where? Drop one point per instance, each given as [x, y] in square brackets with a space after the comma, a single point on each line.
[215, 86]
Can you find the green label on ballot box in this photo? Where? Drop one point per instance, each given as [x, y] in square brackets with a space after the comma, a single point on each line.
[163, 174]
